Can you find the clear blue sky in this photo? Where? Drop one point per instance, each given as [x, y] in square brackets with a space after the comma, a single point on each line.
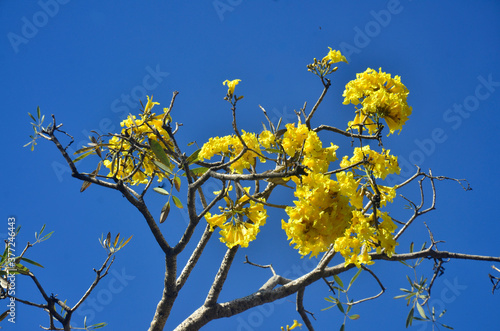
[89, 63]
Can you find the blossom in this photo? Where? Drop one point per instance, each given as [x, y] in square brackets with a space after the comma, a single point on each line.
[234, 230]
[231, 146]
[320, 215]
[382, 164]
[266, 138]
[364, 235]
[231, 85]
[150, 104]
[125, 159]
[295, 324]
[380, 96]
[334, 56]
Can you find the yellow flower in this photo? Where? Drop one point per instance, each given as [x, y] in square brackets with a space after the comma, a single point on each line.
[334, 56]
[127, 158]
[149, 105]
[320, 215]
[381, 96]
[233, 230]
[382, 164]
[266, 138]
[362, 120]
[295, 324]
[231, 85]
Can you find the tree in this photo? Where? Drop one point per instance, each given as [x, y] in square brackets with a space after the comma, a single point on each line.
[338, 207]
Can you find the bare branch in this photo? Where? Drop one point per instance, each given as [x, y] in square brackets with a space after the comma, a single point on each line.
[382, 289]
[302, 311]
[191, 263]
[220, 278]
[315, 107]
[345, 133]
[99, 274]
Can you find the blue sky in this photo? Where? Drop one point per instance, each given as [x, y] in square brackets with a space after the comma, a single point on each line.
[88, 64]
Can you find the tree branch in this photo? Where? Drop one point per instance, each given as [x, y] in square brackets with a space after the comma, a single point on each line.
[204, 314]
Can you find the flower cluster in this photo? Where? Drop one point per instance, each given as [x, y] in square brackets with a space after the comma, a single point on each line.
[381, 96]
[126, 156]
[301, 140]
[364, 235]
[328, 211]
[231, 146]
[320, 215]
[234, 229]
[382, 164]
[325, 66]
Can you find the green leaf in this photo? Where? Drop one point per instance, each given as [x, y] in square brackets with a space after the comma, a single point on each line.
[47, 236]
[38, 111]
[84, 149]
[31, 262]
[354, 316]
[198, 171]
[159, 152]
[164, 212]
[406, 264]
[98, 325]
[409, 318]
[338, 281]
[446, 326]
[22, 269]
[329, 307]
[161, 190]
[421, 310]
[191, 143]
[177, 202]
[163, 167]
[342, 328]
[273, 150]
[411, 247]
[193, 157]
[32, 117]
[354, 277]
[4, 255]
[340, 307]
[331, 299]
[84, 155]
[420, 319]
